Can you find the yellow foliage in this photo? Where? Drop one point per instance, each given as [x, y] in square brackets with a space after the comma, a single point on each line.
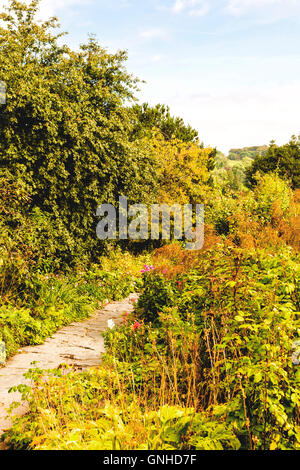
[182, 167]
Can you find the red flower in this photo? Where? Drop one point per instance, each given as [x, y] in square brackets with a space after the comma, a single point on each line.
[136, 326]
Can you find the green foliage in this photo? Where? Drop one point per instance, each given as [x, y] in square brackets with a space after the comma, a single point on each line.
[231, 213]
[158, 292]
[159, 117]
[246, 309]
[56, 303]
[65, 131]
[285, 160]
[223, 346]
[270, 189]
[206, 361]
[229, 173]
[47, 301]
[84, 422]
[28, 241]
[217, 338]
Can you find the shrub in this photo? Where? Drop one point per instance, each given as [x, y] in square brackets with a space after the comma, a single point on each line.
[271, 189]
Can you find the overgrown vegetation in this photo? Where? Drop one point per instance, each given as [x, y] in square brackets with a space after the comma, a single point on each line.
[206, 360]
[210, 357]
[49, 301]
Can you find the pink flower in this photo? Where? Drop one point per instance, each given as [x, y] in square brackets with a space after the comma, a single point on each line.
[136, 326]
[147, 268]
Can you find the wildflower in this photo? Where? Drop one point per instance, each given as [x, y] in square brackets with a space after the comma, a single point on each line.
[136, 326]
[111, 324]
[147, 268]
[125, 315]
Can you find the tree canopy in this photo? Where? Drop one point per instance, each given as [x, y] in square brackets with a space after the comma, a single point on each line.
[182, 170]
[159, 117]
[285, 160]
[65, 131]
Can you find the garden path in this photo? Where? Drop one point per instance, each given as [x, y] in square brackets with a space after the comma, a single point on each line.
[78, 344]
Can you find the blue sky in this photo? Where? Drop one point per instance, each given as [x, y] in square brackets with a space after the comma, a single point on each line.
[231, 68]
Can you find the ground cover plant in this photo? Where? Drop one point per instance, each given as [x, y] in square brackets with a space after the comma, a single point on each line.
[50, 301]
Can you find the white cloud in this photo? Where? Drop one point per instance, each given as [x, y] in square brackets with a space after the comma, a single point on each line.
[158, 58]
[153, 33]
[236, 7]
[242, 7]
[192, 7]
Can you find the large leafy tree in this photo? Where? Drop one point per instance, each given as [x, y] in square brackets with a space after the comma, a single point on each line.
[285, 160]
[146, 118]
[66, 128]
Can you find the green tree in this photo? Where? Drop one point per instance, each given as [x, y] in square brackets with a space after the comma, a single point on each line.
[66, 128]
[150, 120]
[285, 160]
[159, 117]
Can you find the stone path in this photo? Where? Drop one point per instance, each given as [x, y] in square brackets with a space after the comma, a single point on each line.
[78, 344]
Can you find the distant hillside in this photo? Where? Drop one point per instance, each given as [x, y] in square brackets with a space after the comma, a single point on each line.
[249, 152]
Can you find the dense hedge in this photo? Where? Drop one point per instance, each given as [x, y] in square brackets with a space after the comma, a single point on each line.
[66, 128]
